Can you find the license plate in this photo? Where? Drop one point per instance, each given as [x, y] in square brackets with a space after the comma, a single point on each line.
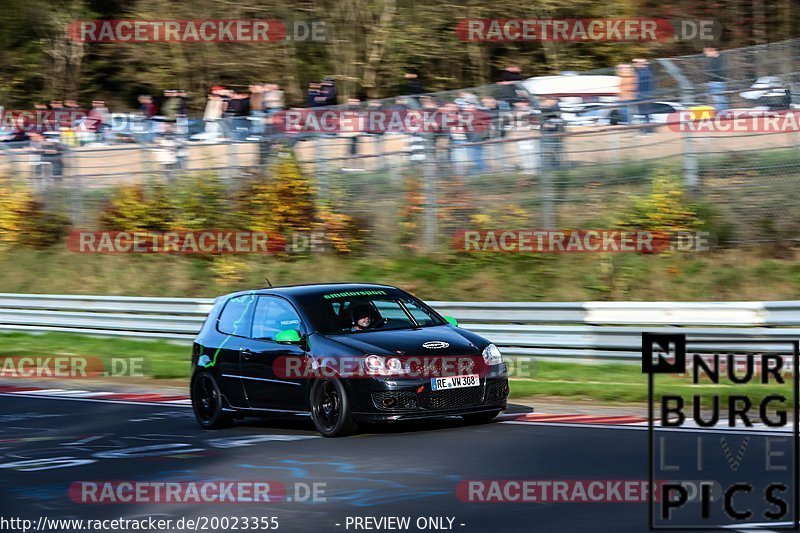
[455, 382]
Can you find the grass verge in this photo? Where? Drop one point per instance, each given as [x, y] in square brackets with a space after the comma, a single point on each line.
[160, 359]
[722, 275]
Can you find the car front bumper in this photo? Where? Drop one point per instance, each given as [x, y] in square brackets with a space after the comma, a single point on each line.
[388, 400]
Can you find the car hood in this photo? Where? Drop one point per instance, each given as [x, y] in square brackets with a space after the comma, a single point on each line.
[410, 342]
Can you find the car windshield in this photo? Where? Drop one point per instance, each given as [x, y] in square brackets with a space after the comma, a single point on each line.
[360, 311]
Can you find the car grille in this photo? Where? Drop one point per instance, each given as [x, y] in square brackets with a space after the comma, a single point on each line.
[401, 400]
[453, 399]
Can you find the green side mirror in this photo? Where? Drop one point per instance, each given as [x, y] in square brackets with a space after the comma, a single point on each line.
[451, 320]
[288, 336]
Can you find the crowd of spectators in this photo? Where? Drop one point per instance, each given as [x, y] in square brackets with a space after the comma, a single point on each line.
[254, 114]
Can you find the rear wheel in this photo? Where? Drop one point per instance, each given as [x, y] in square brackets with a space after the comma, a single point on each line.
[330, 408]
[207, 402]
[481, 418]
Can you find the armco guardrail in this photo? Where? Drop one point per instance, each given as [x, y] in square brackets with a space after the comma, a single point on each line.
[568, 330]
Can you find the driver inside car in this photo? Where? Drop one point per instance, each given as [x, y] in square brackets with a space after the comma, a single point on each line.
[362, 318]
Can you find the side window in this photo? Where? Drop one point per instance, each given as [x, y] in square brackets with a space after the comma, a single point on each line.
[391, 310]
[420, 315]
[273, 315]
[236, 316]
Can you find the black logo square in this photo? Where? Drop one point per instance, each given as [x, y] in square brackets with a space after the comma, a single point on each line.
[663, 353]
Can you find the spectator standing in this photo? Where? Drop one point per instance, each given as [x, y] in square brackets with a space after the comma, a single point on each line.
[312, 94]
[627, 92]
[716, 77]
[146, 106]
[552, 126]
[400, 104]
[273, 98]
[413, 82]
[182, 121]
[352, 111]
[171, 105]
[170, 152]
[476, 127]
[22, 131]
[238, 109]
[645, 88]
[528, 158]
[98, 119]
[494, 150]
[506, 93]
[459, 154]
[147, 110]
[375, 134]
[52, 153]
[213, 114]
[257, 97]
[435, 132]
[75, 127]
[327, 92]
[466, 98]
[39, 127]
[183, 101]
[257, 105]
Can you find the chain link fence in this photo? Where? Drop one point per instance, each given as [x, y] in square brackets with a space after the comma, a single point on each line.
[535, 165]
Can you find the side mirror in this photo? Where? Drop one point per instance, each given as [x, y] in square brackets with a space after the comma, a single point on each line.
[288, 336]
[451, 321]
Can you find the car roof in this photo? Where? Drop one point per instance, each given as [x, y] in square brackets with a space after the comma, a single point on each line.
[312, 289]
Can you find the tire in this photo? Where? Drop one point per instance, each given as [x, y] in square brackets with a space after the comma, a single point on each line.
[481, 418]
[207, 402]
[330, 408]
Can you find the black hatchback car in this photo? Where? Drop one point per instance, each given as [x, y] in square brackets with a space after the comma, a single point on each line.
[341, 354]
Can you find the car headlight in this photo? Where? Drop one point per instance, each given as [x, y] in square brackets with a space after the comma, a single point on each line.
[373, 364]
[377, 365]
[492, 355]
[394, 365]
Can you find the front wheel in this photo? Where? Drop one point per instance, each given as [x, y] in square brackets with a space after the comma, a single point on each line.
[330, 408]
[207, 402]
[480, 418]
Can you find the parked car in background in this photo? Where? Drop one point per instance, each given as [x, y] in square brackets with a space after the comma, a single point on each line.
[612, 114]
[769, 92]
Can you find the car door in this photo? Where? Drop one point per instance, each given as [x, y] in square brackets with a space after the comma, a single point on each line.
[266, 385]
[232, 332]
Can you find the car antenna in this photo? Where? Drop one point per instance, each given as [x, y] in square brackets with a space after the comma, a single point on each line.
[268, 281]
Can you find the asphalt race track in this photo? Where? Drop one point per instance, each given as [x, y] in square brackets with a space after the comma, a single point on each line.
[404, 470]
